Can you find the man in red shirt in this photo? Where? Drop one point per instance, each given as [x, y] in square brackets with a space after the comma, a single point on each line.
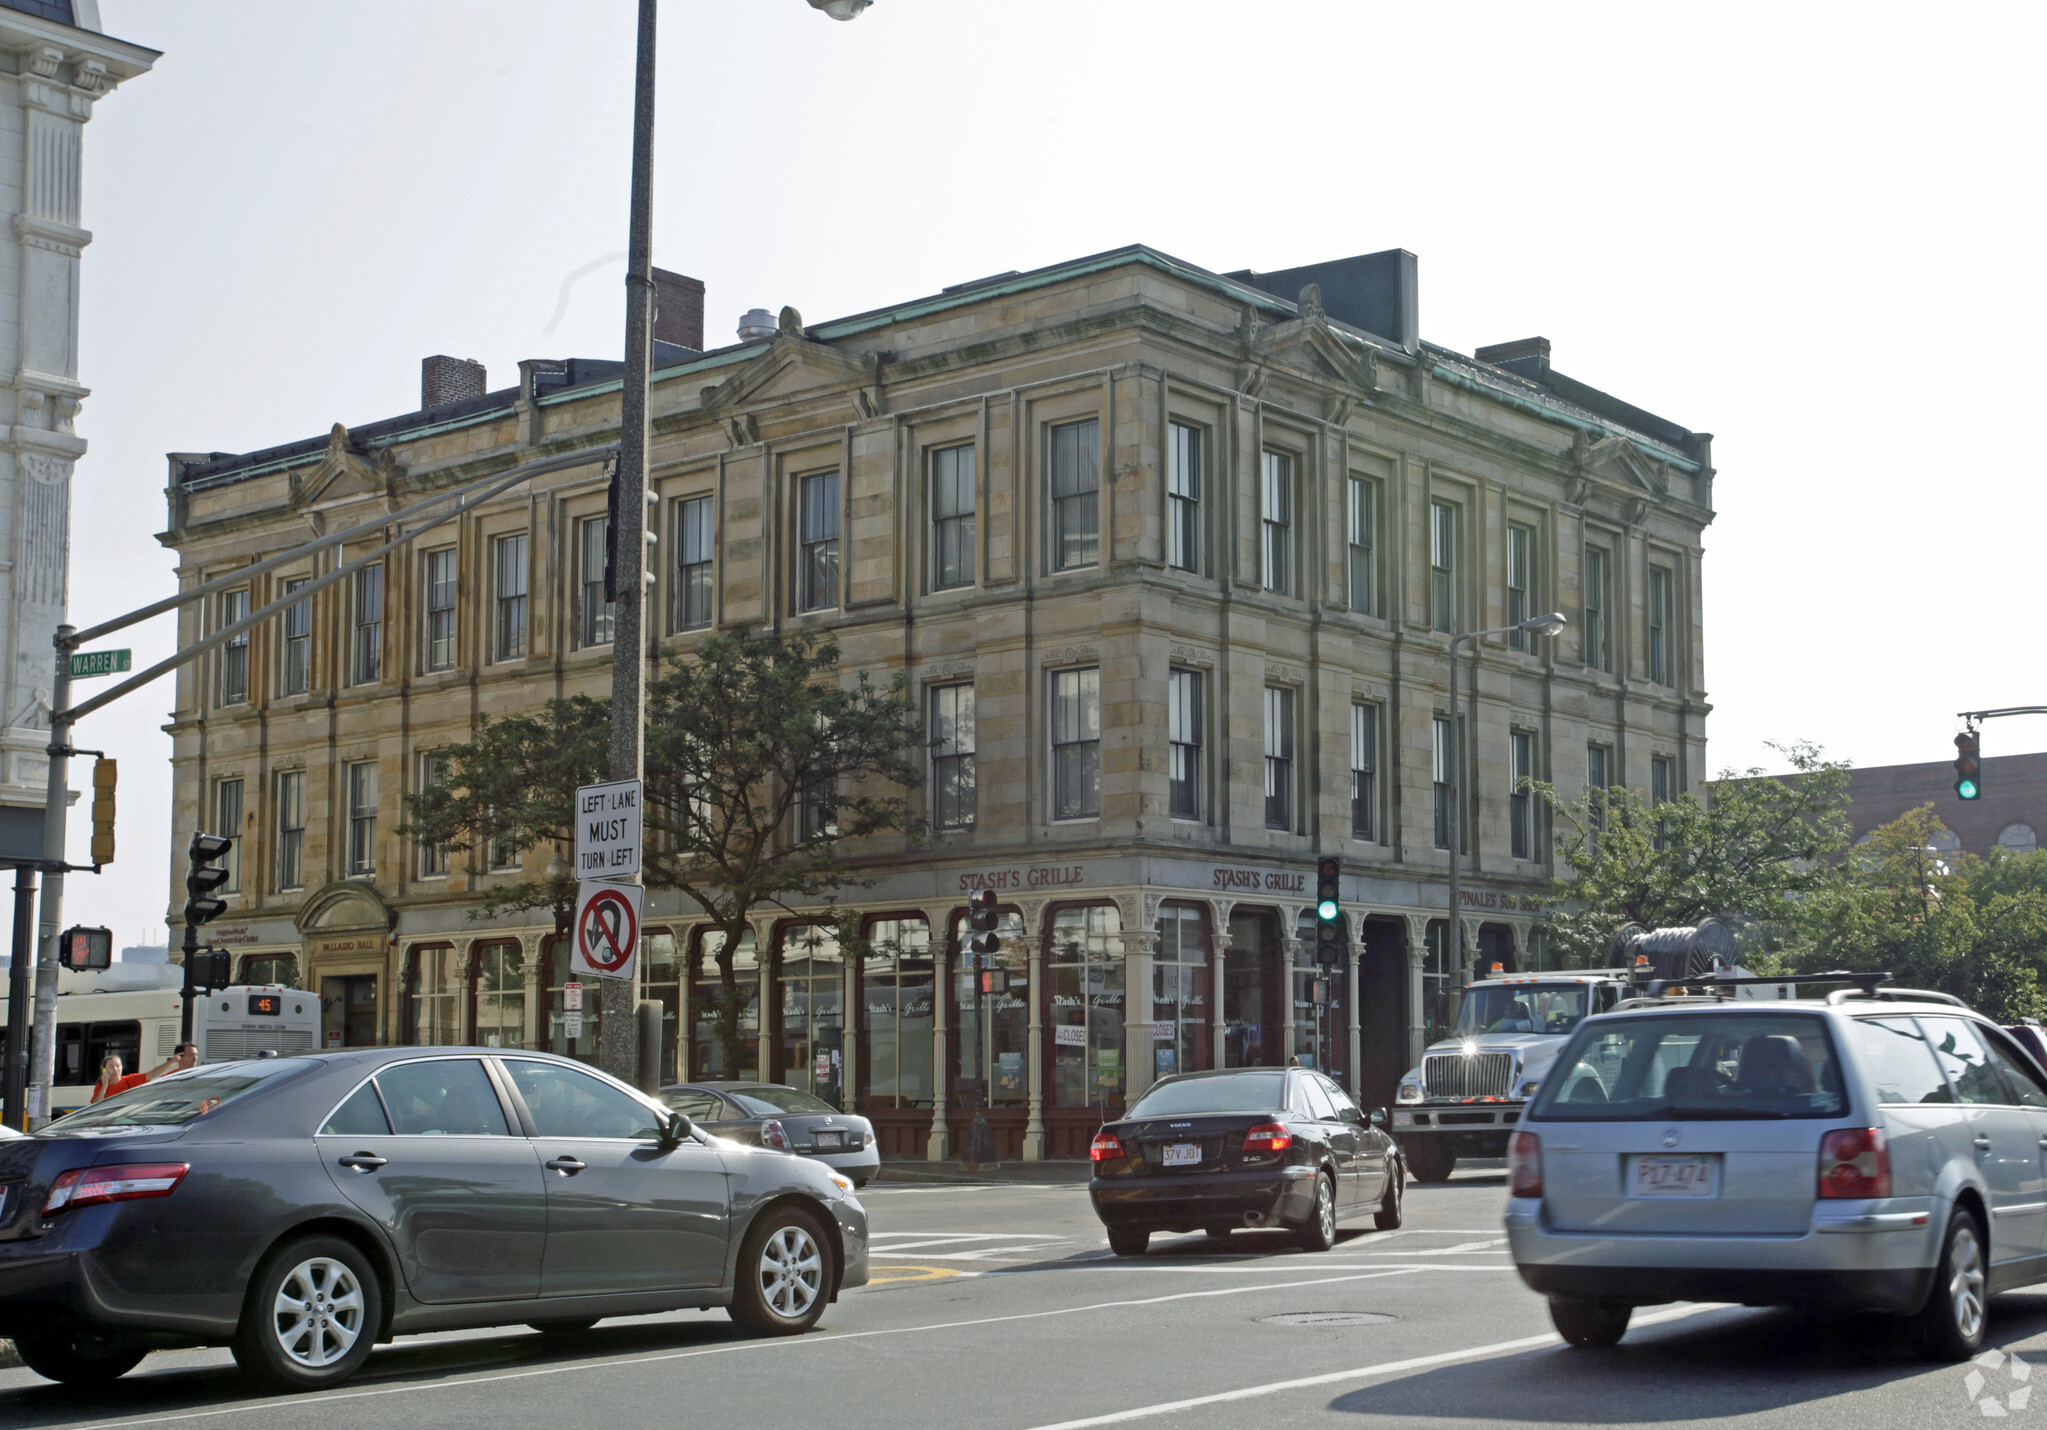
[111, 1081]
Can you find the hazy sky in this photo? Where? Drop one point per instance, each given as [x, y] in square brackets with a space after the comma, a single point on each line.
[1808, 230]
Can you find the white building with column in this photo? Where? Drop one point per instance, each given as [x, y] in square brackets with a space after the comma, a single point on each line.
[55, 65]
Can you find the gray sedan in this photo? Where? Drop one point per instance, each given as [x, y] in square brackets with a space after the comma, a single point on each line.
[770, 1114]
[304, 1209]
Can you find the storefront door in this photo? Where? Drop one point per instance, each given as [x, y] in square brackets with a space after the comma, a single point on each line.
[348, 1011]
[1252, 989]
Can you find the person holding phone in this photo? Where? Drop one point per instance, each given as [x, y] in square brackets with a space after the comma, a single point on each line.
[110, 1083]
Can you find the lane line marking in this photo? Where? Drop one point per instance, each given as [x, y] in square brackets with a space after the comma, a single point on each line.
[1363, 1372]
[773, 1343]
[894, 1275]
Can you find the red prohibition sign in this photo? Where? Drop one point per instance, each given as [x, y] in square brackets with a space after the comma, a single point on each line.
[608, 931]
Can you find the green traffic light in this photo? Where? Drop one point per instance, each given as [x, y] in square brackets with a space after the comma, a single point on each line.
[1966, 789]
[1326, 910]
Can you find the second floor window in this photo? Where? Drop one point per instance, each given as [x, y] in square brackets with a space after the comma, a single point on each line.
[1440, 755]
[1076, 744]
[227, 819]
[362, 817]
[593, 611]
[1521, 794]
[1662, 785]
[952, 756]
[433, 858]
[234, 652]
[1075, 460]
[291, 829]
[952, 518]
[366, 649]
[1183, 735]
[1597, 776]
[1363, 511]
[1183, 498]
[440, 609]
[817, 580]
[1364, 772]
[1276, 523]
[1443, 568]
[1520, 582]
[1659, 626]
[1598, 651]
[693, 559]
[508, 625]
[1279, 757]
[295, 676]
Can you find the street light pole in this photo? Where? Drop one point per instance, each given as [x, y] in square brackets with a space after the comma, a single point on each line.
[1453, 953]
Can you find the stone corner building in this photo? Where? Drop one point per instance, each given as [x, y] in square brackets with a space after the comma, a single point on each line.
[1171, 559]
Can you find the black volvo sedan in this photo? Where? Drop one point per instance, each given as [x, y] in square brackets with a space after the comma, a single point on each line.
[302, 1209]
[1246, 1147]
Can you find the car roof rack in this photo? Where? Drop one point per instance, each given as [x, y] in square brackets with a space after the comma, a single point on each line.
[1865, 981]
[1895, 995]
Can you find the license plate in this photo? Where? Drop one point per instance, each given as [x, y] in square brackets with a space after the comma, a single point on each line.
[1674, 1177]
[1182, 1154]
[831, 1139]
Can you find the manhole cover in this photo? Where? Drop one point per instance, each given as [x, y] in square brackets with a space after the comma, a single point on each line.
[1327, 1318]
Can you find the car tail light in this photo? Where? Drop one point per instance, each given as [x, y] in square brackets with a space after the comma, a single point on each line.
[1268, 1137]
[1105, 1148]
[1855, 1162]
[88, 1186]
[1524, 1165]
[772, 1135]
[867, 1138]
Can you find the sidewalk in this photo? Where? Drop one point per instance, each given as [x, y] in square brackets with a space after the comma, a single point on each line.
[917, 1169]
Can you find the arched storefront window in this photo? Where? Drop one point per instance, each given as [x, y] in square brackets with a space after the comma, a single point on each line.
[500, 983]
[280, 968]
[811, 1008]
[1435, 984]
[1252, 991]
[895, 1018]
[570, 1032]
[722, 1021]
[661, 981]
[1180, 994]
[433, 997]
[1001, 1056]
[1086, 1017]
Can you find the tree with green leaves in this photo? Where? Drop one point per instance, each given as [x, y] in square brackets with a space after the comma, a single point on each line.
[1756, 846]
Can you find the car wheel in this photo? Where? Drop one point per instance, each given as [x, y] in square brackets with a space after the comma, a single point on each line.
[1320, 1232]
[1430, 1164]
[785, 1274]
[859, 1182]
[1956, 1314]
[562, 1330]
[1218, 1233]
[79, 1357]
[313, 1313]
[1128, 1241]
[1589, 1323]
[1388, 1217]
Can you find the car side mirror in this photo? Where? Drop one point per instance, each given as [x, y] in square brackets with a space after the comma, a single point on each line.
[675, 1128]
[1377, 1117]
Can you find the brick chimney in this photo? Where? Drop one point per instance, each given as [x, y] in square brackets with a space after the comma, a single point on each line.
[678, 310]
[444, 379]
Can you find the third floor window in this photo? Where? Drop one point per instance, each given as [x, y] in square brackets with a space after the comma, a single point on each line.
[1598, 602]
[440, 609]
[508, 617]
[1075, 462]
[1659, 627]
[952, 518]
[693, 563]
[1443, 568]
[1362, 521]
[366, 649]
[234, 652]
[1276, 523]
[1183, 498]
[594, 610]
[295, 676]
[817, 534]
[1520, 582]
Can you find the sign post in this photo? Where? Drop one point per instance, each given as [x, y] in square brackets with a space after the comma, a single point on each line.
[607, 930]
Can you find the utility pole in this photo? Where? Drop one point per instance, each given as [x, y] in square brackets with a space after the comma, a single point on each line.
[56, 801]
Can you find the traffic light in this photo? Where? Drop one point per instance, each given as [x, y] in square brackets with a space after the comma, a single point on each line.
[209, 970]
[982, 944]
[1968, 766]
[1328, 917]
[104, 772]
[80, 947]
[205, 874]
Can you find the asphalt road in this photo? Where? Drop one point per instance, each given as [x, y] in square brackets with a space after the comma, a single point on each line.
[1000, 1306]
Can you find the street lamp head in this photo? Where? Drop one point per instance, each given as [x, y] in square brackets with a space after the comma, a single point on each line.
[1547, 625]
[841, 9]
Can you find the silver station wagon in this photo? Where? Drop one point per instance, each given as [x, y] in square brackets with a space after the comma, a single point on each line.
[1880, 1150]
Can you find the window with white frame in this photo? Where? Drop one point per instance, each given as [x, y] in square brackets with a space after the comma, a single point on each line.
[291, 830]
[1364, 771]
[1276, 523]
[1077, 743]
[594, 611]
[1443, 567]
[952, 517]
[234, 651]
[1440, 755]
[1520, 582]
[817, 536]
[1598, 760]
[952, 756]
[1183, 497]
[440, 609]
[1279, 757]
[1363, 522]
[1183, 735]
[1598, 602]
[295, 672]
[362, 817]
[1659, 626]
[227, 819]
[694, 554]
[1074, 457]
[366, 656]
[508, 617]
[1521, 796]
[433, 857]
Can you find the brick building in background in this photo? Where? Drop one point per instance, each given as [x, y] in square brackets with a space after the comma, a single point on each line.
[2011, 813]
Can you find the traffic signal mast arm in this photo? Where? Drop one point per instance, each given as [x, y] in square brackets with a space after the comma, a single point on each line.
[1969, 747]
